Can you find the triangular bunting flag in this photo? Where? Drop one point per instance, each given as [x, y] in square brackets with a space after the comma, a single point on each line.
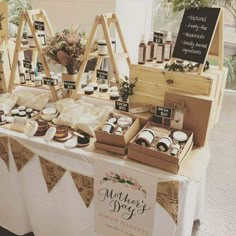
[52, 173]
[168, 197]
[21, 154]
[84, 185]
[4, 150]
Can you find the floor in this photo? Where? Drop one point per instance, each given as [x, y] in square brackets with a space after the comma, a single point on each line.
[220, 202]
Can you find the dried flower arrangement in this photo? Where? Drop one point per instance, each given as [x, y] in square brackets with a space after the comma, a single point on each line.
[67, 48]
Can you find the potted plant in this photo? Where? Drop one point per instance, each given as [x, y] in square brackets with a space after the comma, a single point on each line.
[67, 48]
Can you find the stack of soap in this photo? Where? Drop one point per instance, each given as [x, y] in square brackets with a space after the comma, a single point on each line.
[42, 128]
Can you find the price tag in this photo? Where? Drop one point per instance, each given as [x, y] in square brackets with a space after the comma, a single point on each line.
[40, 66]
[39, 25]
[71, 85]
[164, 112]
[27, 64]
[102, 74]
[122, 106]
[158, 37]
[48, 81]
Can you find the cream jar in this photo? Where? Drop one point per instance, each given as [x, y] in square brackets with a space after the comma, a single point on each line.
[145, 137]
[108, 127]
[102, 47]
[124, 121]
[180, 136]
[174, 149]
[38, 81]
[164, 144]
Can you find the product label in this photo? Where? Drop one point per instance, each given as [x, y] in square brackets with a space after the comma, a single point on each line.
[122, 106]
[27, 64]
[158, 37]
[140, 55]
[102, 74]
[48, 81]
[167, 52]
[71, 85]
[159, 56]
[39, 25]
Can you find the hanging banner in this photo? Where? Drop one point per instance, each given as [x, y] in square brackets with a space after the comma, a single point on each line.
[21, 154]
[168, 197]
[84, 185]
[52, 173]
[4, 150]
[3, 22]
[124, 201]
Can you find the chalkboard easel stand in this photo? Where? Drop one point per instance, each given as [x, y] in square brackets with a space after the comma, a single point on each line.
[216, 45]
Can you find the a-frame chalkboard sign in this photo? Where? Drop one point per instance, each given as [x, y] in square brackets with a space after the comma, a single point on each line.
[200, 36]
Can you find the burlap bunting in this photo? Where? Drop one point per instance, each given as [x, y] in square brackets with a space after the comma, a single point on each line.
[168, 197]
[52, 173]
[4, 150]
[84, 185]
[21, 154]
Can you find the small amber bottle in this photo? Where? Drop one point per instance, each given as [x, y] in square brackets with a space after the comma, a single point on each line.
[150, 48]
[142, 51]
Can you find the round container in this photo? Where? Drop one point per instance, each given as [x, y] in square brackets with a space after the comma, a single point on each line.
[31, 41]
[119, 131]
[94, 85]
[88, 90]
[112, 120]
[108, 127]
[29, 110]
[103, 88]
[164, 144]
[83, 139]
[42, 128]
[114, 89]
[2, 116]
[55, 80]
[124, 121]
[49, 114]
[21, 108]
[145, 138]
[180, 136]
[38, 81]
[22, 114]
[174, 149]
[114, 95]
[62, 132]
[102, 47]
[14, 112]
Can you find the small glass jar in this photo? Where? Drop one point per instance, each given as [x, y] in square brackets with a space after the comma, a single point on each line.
[108, 127]
[38, 81]
[145, 137]
[22, 78]
[27, 75]
[32, 76]
[102, 47]
[174, 149]
[164, 144]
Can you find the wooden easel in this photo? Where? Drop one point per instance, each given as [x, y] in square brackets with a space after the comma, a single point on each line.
[3, 83]
[105, 21]
[216, 45]
[28, 17]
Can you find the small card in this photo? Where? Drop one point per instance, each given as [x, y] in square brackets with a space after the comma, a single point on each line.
[39, 25]
[48, 81]
[102, 74]
[122, 106]
[70, 85]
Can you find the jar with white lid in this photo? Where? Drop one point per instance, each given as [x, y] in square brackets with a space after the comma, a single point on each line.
[108, 127]
[102, 47]
[145, 137]
[164, 144]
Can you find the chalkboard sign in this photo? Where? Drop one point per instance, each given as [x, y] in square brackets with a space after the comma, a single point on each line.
[40, 66]
[158, 37]
[164, 112]
[122, 106]
[71, 85]
[195, 34]
[27, 64]
[48, 81]
[102, 74]
[39, 25]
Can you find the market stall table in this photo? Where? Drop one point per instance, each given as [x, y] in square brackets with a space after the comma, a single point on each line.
[27, 206]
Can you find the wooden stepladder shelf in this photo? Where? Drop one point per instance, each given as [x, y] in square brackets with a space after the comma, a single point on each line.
[29, 17]
[105, 21]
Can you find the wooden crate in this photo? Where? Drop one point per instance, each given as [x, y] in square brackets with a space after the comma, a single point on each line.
[154, 82]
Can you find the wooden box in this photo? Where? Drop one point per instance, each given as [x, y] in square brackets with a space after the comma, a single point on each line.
[113, 142]
[154, 82]
[155, 158]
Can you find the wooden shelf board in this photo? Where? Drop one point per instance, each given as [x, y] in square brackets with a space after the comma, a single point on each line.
[44, 87]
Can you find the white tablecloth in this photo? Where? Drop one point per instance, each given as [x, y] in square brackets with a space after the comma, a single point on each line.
[26, 205]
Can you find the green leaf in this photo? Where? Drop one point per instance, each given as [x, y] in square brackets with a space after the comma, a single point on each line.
[129, 182]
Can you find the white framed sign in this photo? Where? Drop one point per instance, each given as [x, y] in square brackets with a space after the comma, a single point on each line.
[124, 201]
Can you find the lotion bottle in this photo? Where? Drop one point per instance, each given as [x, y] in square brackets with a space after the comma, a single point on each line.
[168, 47]
[150, 48]
[142, 50]
[160, 50]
